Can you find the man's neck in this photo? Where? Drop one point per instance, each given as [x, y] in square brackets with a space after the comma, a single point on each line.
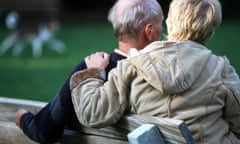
[124, 47]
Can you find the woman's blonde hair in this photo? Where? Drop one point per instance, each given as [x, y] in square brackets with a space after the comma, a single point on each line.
[194, 20]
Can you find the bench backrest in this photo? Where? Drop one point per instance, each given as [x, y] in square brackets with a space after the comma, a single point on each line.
[168, 130]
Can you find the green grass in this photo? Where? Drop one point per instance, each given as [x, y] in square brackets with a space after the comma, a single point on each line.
[40, 79]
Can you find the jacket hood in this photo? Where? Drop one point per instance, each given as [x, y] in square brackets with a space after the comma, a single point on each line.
[170, 67]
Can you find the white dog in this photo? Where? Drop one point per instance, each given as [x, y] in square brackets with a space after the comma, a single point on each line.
[37, 36]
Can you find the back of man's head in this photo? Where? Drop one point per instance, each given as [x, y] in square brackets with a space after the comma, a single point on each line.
[128, 16]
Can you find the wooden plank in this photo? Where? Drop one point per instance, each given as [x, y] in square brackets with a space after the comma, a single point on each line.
[173, 131]
[76, 137]
[9, 107]
[110, 131]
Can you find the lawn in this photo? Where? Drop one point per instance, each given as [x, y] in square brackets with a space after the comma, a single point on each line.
[40, 79]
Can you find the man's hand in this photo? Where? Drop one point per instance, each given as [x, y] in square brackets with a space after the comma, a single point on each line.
[97, 60]
[19, 114]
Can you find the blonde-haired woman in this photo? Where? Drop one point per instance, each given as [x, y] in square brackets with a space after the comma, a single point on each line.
[179, 78]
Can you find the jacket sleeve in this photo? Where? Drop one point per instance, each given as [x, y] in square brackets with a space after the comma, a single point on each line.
[232, 107]
[98, 104]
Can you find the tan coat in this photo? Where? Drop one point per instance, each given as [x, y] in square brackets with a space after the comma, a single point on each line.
[181, 80]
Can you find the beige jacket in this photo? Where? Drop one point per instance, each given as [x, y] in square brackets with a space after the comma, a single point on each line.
[181, 80]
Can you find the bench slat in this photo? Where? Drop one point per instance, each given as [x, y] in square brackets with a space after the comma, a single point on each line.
[173, 131]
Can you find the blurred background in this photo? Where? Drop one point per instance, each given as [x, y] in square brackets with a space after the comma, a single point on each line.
[42, 40]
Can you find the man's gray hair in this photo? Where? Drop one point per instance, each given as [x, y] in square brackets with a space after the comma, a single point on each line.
[128, 16]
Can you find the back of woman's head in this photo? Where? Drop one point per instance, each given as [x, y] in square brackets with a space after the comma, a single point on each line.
[128, 16]
[194, 20]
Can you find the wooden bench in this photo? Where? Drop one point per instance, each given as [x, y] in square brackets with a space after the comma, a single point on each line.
[132, 128]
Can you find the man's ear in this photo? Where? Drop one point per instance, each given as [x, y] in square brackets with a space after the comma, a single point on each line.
[149, 31]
